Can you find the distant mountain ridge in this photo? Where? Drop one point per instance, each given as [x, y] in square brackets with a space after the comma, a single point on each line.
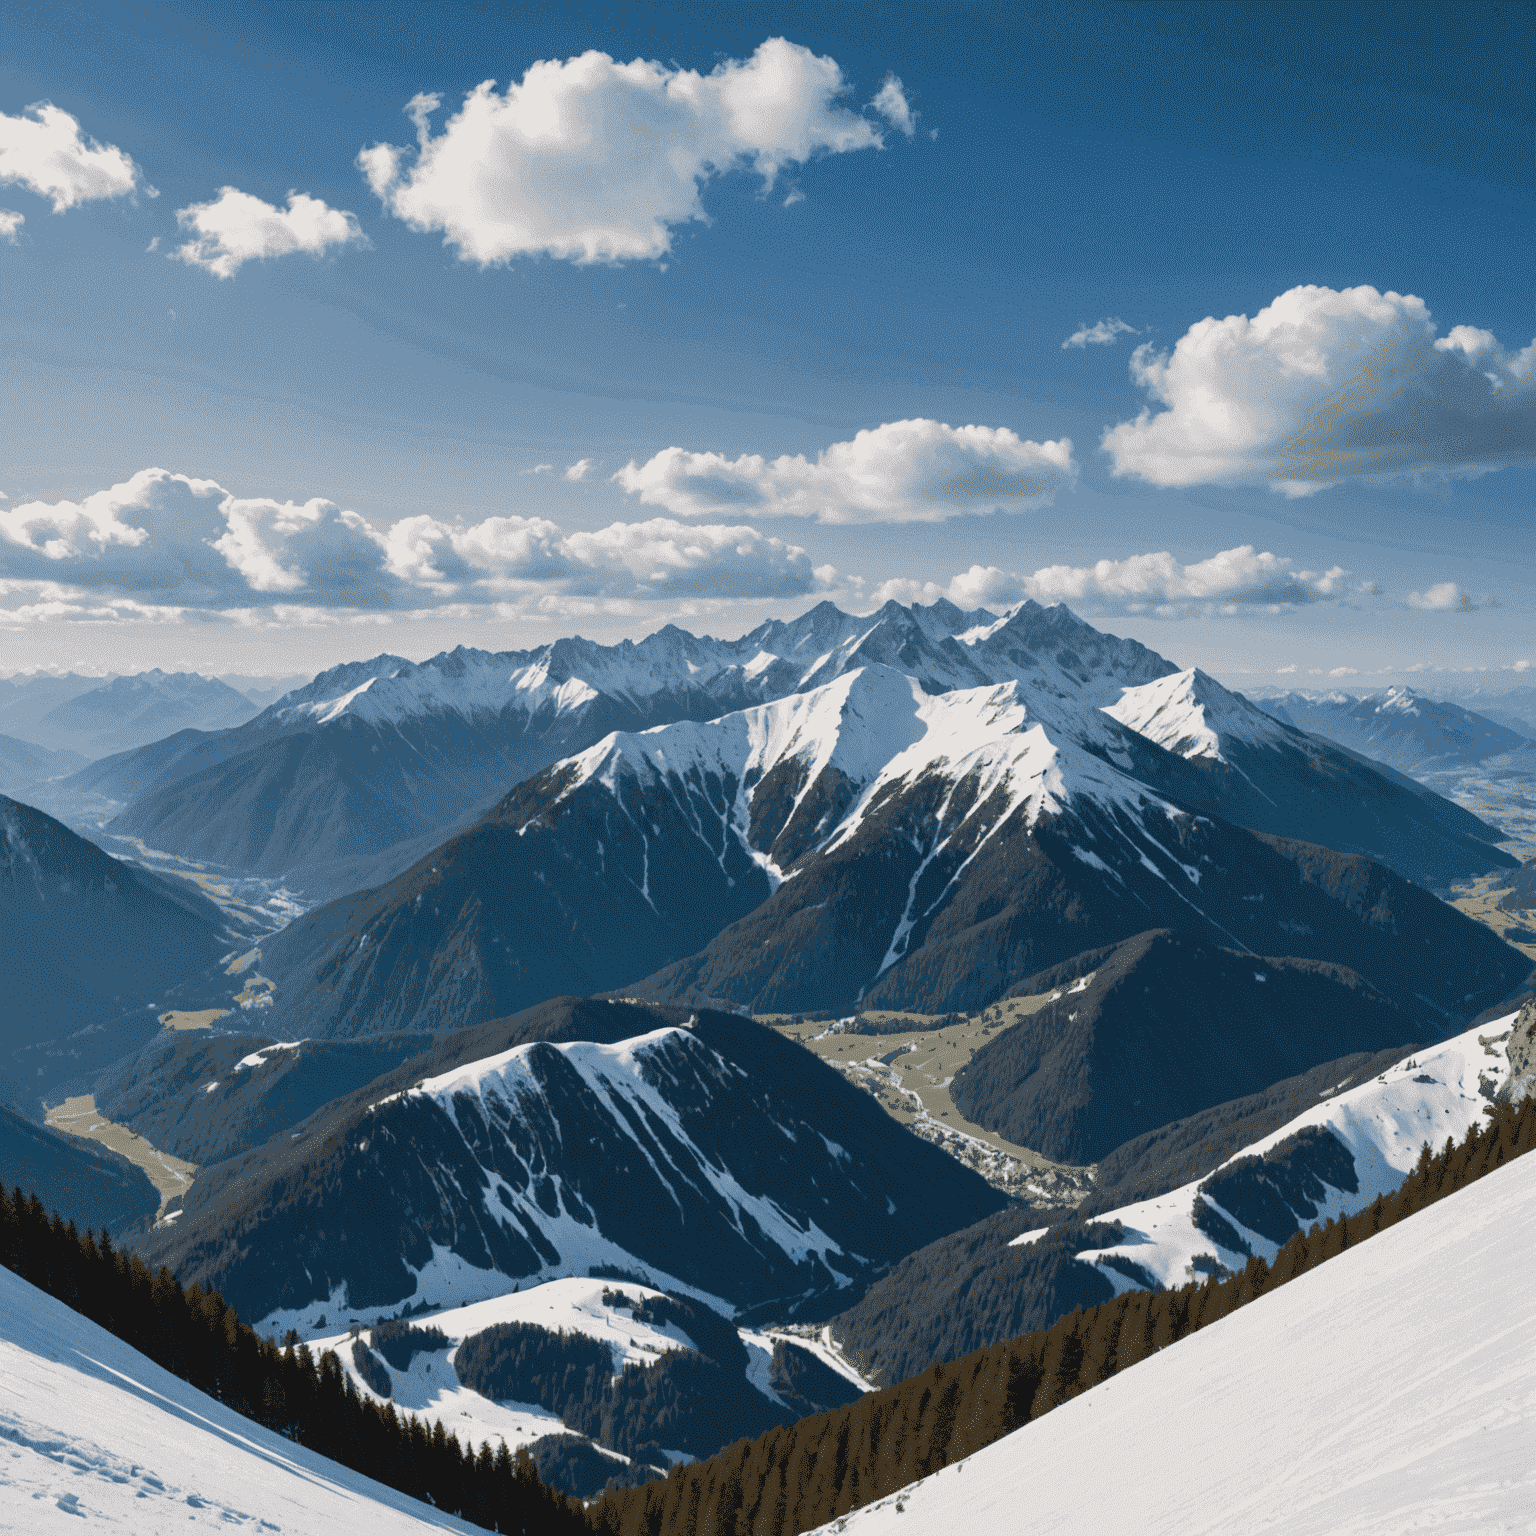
[22, 764]
[1399, 727]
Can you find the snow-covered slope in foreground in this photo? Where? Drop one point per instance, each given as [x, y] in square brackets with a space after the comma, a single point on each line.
[91, 1427]
[1392, 1389]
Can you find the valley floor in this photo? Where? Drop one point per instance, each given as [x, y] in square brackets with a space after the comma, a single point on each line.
[172, 1176]
[909, 1070]
[1391, 1390]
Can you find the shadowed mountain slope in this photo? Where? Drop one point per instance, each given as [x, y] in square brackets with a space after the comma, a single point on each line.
[1167, 1026]
[85, 1183]
[87, 939]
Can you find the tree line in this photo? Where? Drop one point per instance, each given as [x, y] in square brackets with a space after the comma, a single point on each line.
[195, 1334]
[798, 1477]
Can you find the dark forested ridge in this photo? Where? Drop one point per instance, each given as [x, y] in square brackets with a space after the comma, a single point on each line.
[360, 1194]
[1168, 1026]
[971, 1289]
[790, 1480]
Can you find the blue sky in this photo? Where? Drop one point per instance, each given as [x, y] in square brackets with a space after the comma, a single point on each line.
[905, 213]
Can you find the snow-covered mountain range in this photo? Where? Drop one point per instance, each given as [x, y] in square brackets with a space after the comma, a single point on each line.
[1390, 1389]
[380, 753]
[867, 841]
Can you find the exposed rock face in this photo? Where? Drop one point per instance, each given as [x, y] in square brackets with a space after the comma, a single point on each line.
[1521, 1083]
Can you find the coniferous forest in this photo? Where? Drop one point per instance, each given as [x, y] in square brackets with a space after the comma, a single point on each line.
[785, 1481]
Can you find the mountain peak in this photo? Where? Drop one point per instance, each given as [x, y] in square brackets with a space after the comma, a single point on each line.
[1192, 715]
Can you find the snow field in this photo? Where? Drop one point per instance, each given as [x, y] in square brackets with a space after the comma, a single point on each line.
[91, 1429]
[431, 1388]
[1390, 1390]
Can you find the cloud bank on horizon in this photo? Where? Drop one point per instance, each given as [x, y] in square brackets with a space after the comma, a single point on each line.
[1228, 583]
[169, 548]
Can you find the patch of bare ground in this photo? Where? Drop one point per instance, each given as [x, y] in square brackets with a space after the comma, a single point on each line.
[171, 1176]
[1480, 898]
[201, 1018]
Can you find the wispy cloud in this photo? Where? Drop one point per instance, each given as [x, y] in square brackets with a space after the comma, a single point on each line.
[892, 104]
[579, 470]
[1102, 333]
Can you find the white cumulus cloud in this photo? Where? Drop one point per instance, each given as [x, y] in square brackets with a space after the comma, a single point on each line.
[44, 151]
[159, 545]
[1233, 581]
[10, 222]
[1102, 333]
[1443, 597]
[588, 159]
[236, 228]
[579, 470]
[903, 471]
[1321, 386]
